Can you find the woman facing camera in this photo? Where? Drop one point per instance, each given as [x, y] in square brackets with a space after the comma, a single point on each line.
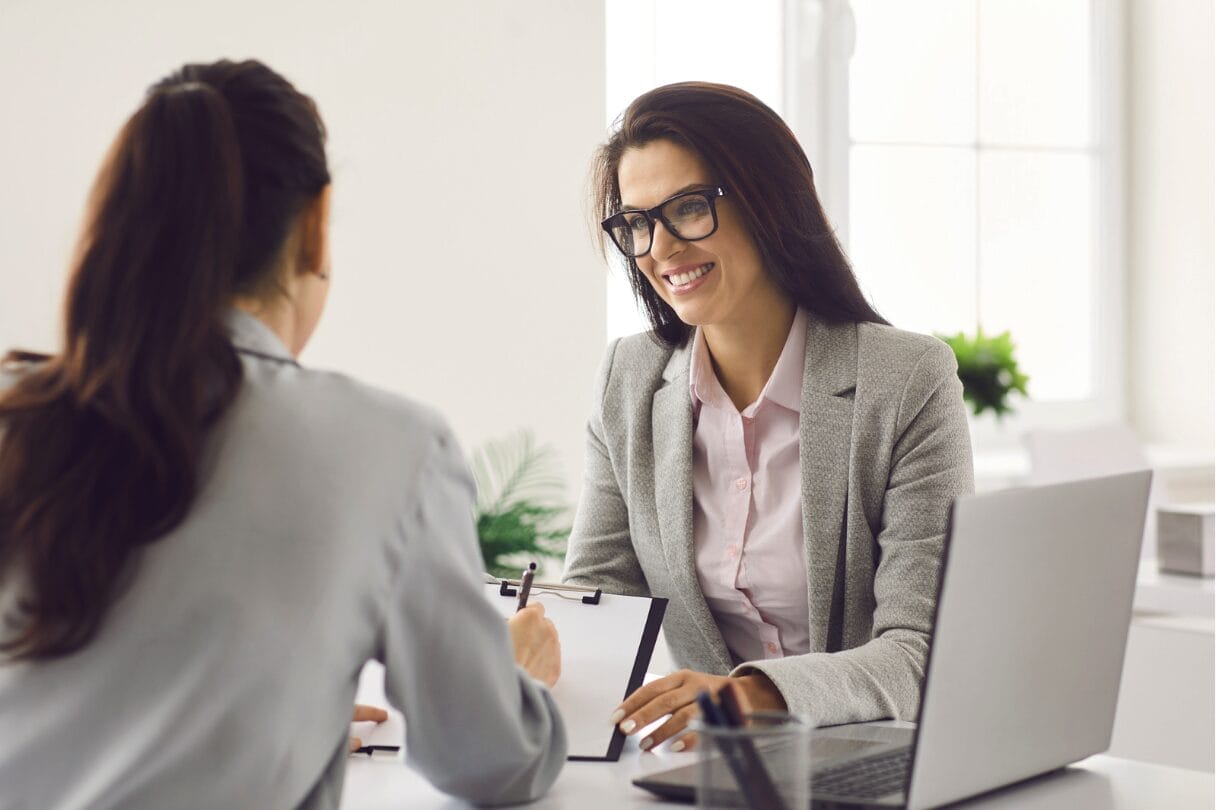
[202, 541]
[772, 456]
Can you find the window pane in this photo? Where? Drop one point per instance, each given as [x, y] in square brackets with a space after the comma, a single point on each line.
[1036, 265]
[1035, 72]
[912, 76]
[912, 234]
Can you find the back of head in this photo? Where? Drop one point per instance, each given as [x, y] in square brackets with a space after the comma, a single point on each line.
[755, 155]
[101, 443]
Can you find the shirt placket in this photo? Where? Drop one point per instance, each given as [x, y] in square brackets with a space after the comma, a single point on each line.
[740, 451]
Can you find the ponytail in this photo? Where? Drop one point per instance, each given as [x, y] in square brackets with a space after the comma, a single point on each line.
[100, 445]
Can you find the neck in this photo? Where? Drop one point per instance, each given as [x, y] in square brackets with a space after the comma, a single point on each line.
[276, 315]
[745, 354]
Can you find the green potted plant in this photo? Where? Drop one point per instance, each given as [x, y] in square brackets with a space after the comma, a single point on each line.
[520, 513]
[988, 370]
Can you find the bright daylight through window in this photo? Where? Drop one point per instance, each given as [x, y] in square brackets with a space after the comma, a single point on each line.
[976, 177]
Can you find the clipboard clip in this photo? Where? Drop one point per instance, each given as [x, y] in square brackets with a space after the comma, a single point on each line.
[509, 587]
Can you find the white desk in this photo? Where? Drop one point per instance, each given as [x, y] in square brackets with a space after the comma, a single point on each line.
[1097, 783]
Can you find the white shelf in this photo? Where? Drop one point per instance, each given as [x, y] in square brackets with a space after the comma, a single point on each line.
[997, 468]
[1175, 594]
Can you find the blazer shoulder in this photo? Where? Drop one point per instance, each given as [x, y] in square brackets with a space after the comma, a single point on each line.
[13, 371]
[642, 353]
[885, 352]
[634, 363]
[332, 396]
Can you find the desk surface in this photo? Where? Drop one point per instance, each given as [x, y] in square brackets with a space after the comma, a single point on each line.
[1097, 783]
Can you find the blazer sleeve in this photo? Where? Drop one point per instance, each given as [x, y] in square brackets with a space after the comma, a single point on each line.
[600, 552]
[930, 466]
[477, 726]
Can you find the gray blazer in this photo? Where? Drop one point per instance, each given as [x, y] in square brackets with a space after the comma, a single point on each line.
[333, 524]
[884, 448]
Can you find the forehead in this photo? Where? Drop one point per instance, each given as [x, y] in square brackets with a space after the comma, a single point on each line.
[651, 173]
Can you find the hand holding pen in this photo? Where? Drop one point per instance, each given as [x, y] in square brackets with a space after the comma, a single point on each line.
[533, 637]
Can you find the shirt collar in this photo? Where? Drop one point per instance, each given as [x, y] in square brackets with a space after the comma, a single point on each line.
[250, 335]
[784, 386]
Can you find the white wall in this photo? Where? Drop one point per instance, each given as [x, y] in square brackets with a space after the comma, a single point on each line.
[460, 134]
[1171, 221]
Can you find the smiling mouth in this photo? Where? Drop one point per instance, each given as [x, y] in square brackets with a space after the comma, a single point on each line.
[681, 279]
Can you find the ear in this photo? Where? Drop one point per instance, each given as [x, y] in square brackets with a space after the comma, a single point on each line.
[313, 224]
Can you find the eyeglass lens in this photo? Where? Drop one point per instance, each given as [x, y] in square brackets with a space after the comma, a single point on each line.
[688, 216]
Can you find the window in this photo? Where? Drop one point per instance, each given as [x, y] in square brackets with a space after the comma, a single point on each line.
[967, 151]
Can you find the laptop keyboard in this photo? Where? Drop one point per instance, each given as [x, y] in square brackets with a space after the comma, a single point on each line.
[866, 778]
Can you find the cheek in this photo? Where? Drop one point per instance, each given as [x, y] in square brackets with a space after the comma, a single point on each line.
[647, 268]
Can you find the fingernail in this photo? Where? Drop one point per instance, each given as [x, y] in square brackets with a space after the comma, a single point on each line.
[617, 717]
[628, 726]
[646, 743]
[676, 746]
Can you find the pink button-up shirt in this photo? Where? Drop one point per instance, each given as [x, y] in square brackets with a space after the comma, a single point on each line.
[747, 505]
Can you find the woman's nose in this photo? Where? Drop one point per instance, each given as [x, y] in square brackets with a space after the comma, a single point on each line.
[664, 244]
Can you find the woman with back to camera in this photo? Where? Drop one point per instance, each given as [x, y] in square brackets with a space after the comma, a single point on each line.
[773, 457]
[201, 541]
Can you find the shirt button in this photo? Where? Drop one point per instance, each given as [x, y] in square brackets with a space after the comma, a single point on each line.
[733, 550]
[741, 484]
[771, 647]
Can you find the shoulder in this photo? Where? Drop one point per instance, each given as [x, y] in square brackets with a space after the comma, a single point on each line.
[17, 366]
[9, 377]
[332, 406]
[633, 366]
[887, 353]
[639, 355]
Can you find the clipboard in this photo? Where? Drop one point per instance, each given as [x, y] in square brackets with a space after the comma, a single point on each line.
[607, 640]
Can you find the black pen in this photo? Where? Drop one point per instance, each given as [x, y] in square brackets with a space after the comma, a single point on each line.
[525, 586]
[372, 749]
[740, 754]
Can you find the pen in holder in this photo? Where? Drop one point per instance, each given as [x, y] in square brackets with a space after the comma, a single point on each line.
[763, 765]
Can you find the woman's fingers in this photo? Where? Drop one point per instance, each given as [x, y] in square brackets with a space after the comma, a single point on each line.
[643, 695]
[665, 696]
[373, 714]
[661, 705]
[675, 724]
[355, 744]
[686, 743]
[536, 644]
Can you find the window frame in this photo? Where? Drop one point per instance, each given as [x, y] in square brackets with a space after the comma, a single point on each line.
[819, 39]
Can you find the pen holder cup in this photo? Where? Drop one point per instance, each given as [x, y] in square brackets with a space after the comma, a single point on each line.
[764, 765]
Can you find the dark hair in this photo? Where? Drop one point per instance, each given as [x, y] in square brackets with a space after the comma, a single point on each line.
[755, 156]
[102, 443]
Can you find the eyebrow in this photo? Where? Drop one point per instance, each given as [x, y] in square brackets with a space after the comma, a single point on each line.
[690, 187]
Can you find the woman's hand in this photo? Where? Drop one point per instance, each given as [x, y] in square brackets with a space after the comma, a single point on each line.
[536, 645]
[676, 694]
[370, 713]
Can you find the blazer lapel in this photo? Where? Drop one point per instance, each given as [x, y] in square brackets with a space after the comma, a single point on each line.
[671, 426]
[825, 436]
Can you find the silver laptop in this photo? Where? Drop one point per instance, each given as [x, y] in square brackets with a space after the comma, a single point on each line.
[1033, 609]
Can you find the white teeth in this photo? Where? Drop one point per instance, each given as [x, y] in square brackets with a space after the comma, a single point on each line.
[680, 279]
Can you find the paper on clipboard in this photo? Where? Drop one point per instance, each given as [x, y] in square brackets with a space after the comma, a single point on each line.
[606, 648]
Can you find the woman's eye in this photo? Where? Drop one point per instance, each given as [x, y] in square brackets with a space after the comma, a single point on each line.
[695, 207]
[637, 224]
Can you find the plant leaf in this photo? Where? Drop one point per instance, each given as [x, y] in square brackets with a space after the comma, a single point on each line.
[520, 509]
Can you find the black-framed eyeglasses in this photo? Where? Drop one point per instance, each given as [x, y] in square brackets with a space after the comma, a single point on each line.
[688, 216]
